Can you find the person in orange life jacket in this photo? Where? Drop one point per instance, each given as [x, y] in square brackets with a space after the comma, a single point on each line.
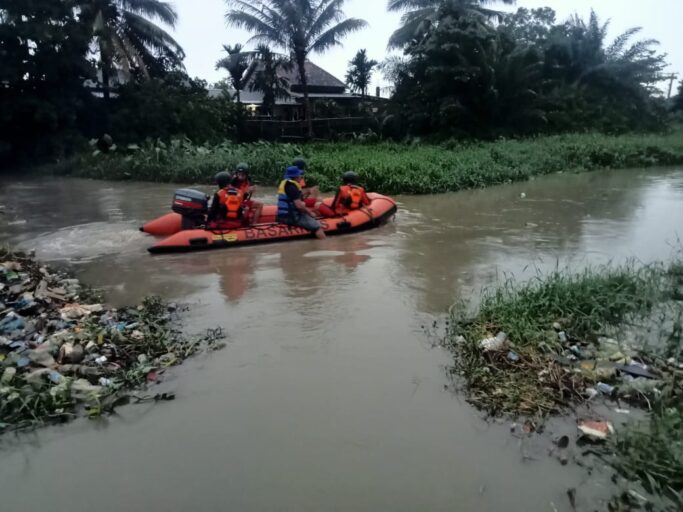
[291, 208]
[217, 210]
[350, 196]
[244, 183]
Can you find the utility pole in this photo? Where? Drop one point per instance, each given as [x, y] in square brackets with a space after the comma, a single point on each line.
[671, 78]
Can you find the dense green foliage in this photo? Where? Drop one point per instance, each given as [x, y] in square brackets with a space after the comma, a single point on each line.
[167, 107]
[50, 55]
[528, 74]
[420, 15]
[42, 70]
[392, 168]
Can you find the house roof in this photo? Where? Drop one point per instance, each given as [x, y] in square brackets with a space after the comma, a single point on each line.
[319, 81]
[317, 77]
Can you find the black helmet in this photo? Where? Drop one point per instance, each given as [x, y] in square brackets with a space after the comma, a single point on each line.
[300, 163]
[223, 179]
[242, 167]
[350, 178]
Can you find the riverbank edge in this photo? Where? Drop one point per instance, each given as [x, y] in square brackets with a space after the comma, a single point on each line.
[573, 342]
[389, 168]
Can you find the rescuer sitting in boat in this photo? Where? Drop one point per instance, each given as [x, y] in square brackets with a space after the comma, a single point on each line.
[291, 208]
[242, 180]
[217, 210]
[228, 210]
[350, 196]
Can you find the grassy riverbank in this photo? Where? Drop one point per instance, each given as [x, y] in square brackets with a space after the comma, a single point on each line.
[565, 340]
[391, 168]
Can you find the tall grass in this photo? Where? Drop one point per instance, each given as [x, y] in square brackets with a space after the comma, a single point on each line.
[390, 168]
[540, 380]
[587, 306]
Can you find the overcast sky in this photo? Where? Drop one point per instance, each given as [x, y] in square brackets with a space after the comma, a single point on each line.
[202, 30]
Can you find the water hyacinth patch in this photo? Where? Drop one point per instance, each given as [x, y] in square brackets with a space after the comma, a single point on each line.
[386, 167]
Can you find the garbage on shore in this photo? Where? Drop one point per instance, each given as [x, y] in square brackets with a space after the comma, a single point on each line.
[546, 346]
[561, 343]
[595, 430]
[63, 354]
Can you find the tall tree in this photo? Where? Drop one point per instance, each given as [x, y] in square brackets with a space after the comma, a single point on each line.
[529, 27]
[360, 72]
[240, 66]
[419, 15]
[598, 84]
[467, 79]
[299, 27]
[470, 77]
[127, 37]
[267, 79]
[43, 65]
[580, 53]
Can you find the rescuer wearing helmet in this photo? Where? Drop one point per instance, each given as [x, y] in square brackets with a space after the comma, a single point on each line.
[242, 181]
[350, 196]
[217, 211]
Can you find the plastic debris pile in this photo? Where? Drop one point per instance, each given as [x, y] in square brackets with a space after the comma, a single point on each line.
[63, 354]
[546, 382]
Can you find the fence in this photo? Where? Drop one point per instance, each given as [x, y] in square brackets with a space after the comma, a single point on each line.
[323, 128]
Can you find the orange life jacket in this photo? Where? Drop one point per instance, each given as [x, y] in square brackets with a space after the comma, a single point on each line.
[244, 186]
[233, 199]
[351, 196]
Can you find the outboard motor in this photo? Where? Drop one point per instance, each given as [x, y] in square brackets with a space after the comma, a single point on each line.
[192, 205]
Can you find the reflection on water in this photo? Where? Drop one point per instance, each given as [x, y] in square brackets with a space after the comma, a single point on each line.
[329, 395]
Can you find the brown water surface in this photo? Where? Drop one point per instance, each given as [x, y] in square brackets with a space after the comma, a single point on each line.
[329, 394]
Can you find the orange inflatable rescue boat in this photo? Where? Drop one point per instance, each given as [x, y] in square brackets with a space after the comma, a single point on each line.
[184, 227]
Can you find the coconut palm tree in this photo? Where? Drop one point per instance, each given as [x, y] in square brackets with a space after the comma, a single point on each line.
[360, 71]
[299, 27]
[267, 79]
[420, 13]
[240, 65]
[127, 38]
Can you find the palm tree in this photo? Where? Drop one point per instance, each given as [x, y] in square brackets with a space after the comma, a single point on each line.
[126, 37]
[580, 53]
[360, 72]
[419, 14]
[240, 66]
[267, 79]
[299, 27]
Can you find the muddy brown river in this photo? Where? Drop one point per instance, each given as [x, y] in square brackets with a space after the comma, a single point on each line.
[330, 395]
